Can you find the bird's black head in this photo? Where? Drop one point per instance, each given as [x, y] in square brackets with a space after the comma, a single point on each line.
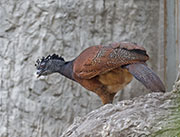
[48, 65]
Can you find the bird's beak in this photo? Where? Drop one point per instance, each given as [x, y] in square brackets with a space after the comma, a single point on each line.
[38, 73]
[38, 76]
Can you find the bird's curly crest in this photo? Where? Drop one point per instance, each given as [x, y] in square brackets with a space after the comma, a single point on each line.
[49, 57]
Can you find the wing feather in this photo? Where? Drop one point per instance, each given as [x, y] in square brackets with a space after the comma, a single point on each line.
[100, 59]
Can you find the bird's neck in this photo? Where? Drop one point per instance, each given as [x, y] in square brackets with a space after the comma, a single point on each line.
[66, 69]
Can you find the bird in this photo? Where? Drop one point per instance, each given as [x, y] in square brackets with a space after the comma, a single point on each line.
[104, 69]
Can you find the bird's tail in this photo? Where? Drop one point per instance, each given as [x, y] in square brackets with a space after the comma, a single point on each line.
[146, 76]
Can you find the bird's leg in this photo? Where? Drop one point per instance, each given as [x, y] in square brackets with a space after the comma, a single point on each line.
[106, 97]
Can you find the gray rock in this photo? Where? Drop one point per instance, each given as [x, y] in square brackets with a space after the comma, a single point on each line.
[153, 115]
[141, 116]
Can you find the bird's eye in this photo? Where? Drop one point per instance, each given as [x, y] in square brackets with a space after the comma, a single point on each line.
[42, 66]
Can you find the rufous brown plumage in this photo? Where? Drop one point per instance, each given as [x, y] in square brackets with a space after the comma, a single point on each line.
[106, 69]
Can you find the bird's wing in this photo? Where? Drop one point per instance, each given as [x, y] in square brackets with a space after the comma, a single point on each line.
[100, 59]
[146, 76]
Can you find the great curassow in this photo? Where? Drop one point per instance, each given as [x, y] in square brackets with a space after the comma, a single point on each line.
[104, 69]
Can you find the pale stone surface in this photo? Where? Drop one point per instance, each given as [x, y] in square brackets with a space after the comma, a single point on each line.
[140, 116]
[152, 115]
[30, 29]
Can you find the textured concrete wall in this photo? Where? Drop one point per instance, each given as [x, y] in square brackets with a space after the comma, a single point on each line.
[31, 28]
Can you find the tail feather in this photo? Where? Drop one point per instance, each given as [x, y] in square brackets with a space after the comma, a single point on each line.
[146, 76]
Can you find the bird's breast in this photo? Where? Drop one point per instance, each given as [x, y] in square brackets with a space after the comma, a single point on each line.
[116, 79]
